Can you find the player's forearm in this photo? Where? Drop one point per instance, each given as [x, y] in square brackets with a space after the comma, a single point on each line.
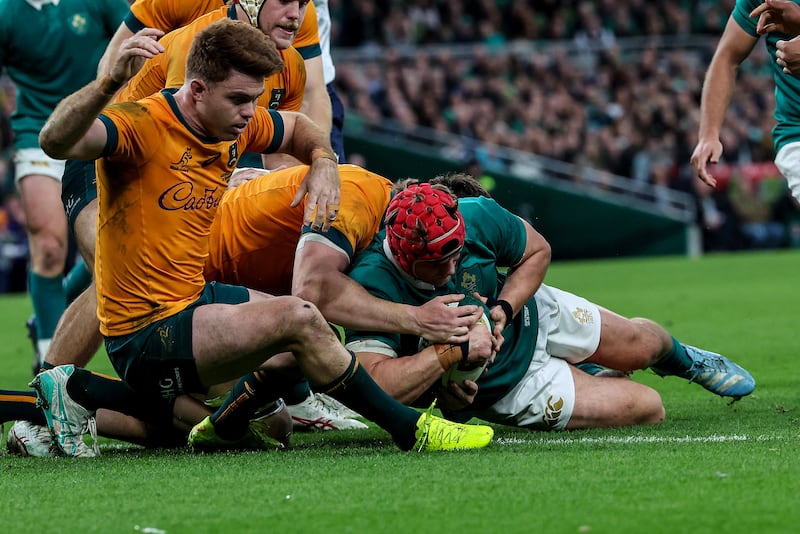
[717, 92]
[317, 105]
[524, 281]
[526, 277]
[407, 378]
[316, 102]
[309, 142]
[345, 302]
[73, 117]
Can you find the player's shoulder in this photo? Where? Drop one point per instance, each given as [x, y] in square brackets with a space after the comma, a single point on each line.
[169, 15]
[478, 206]
[152, 109]
[292, 58]
[308, 33]
[741, 14]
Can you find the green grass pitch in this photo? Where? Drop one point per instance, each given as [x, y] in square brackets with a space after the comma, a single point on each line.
[711, 467]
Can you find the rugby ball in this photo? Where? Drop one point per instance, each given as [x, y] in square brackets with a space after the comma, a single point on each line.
[277, 423]
[469, 370]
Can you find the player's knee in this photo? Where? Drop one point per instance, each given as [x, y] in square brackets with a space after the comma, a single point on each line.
[48, 253]
[305, 316]
[651, 407]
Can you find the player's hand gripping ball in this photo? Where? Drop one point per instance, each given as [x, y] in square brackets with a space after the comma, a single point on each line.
[469, 370]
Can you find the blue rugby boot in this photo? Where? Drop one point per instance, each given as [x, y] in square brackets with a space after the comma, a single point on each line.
[68, 421]
[716, 373]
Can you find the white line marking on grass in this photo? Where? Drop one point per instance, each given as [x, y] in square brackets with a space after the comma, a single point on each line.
[713, 438]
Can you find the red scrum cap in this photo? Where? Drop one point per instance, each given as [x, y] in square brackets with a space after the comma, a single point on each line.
[423, 224]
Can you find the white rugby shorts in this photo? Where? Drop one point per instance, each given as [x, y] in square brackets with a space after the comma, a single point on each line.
[34, 161]
[569, 331]
[788, 162]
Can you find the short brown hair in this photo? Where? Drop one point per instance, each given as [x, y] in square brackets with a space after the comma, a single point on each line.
[228, 45]
[461, 185]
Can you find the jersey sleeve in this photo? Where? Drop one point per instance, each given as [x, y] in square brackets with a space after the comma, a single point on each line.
[167, 15]
[295, 72]
[494, 227]
[741, 14]
[380, 281]
[132, 134]
[264, 133]
[307, 40]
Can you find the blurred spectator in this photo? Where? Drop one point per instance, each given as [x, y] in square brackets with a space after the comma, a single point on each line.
[631, 113]
[787, 212]
[561, 85]
[755, 207]
[13, 246]
[718, 221]
[366, 23]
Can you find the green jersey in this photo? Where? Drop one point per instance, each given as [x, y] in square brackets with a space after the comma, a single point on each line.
[50, 52]
[495, 238]
[787, 87]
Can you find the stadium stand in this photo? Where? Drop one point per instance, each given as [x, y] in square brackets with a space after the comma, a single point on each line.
[606, 92]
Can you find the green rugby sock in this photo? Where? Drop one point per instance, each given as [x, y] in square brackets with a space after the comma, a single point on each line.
[675, 362]
[49, 302]
[95, 390]
[20, 406]
[358, 391]
[250, 393]
[297, 393]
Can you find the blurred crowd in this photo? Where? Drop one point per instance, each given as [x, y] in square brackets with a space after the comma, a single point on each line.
[401, 22]
[596, 83]
[13, 240]
[559, 79]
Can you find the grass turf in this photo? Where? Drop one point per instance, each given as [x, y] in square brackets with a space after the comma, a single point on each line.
[712, 466]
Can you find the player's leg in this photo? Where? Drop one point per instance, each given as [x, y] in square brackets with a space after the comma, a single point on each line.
[310, 411]
[554, 395]
[39, 183]
[639, 343]
[611, 402]
[228, 340]
[76, 280]
[70, 397]
[628, 344]
[77, 337]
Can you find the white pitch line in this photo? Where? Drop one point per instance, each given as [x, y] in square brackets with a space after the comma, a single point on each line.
[713, 438]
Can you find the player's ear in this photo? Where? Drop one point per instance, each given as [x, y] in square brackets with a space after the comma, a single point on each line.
[198, 88]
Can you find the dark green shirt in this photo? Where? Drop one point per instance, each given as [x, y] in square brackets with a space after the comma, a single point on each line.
[495, 238]
[51, 53]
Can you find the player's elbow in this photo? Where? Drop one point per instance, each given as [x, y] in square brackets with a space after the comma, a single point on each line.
[55, 145]
[49, 143]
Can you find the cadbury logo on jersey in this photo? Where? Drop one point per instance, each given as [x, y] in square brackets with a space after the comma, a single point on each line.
[181, 196]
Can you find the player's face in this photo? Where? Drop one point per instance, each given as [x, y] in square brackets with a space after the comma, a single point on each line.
[437, 272]
[228, 106]
[280, 19]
